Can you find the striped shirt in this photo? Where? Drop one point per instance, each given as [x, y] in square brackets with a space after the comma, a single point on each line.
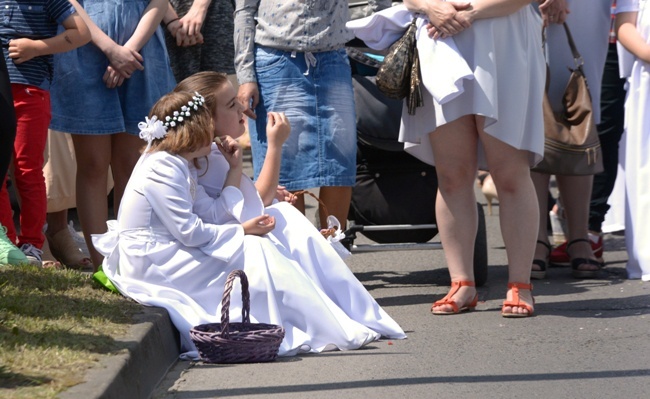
[36, 20]
[302, 26]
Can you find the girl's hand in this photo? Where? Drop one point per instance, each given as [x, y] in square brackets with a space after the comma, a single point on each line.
[193, 21]
[277, 128]
[22, 50]
[249, 95]
[112, 78]
[173, 27]
[183, 36]
[259, 225]
[125, 60]
[283, 195]
[193, 40]
[231, 150]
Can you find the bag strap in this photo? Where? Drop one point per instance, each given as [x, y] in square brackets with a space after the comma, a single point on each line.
[577, 58]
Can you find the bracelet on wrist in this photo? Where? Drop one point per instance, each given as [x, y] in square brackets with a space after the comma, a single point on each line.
[166, 24]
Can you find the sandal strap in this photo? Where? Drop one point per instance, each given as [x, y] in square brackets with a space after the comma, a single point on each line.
[519, 304]
[463, 284]
[541, 264]
[577, 262]
[520, 286]
[547, 245]
[516, 301]
[445, 301]
[455, 286]
[577, 240]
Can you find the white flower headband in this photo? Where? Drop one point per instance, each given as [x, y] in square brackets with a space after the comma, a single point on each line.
[152, 128]
[178, 116]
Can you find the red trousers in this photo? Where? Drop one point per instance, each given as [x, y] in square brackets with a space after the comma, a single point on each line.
[33, 115]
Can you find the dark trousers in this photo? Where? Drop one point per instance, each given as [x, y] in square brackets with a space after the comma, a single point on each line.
[610, 130]
[7, 120]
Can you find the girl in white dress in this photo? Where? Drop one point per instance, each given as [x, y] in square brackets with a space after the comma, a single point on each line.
[496, 123]
[173, 245]
[633, 31]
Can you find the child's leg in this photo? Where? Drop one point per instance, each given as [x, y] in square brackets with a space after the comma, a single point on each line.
[33, 115]
[337, 201]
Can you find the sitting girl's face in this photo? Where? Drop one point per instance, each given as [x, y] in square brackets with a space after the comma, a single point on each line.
[229, 113]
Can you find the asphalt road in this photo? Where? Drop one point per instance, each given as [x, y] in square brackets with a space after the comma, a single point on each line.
[589, 339]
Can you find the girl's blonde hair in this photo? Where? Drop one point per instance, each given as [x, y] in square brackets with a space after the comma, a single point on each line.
[194, 132]
[207, 83]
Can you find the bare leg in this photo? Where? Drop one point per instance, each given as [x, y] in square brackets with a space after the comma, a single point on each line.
[56, 222]
[454, 150]
[337, 201]
[576, 192]
[541, 181]
[300, 203]
[125, 152]
[93, 155]
[518, 209]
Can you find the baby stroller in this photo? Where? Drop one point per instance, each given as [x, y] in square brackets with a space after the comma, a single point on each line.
[393, 200]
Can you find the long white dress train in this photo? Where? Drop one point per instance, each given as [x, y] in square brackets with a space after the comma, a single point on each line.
[636, 163]
[173, 246]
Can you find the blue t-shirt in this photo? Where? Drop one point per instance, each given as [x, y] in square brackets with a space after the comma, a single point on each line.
[32, 19]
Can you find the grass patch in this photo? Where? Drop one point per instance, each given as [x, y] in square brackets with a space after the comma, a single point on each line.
[54, 326]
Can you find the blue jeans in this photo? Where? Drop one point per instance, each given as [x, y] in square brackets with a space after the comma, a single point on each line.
[318, 101]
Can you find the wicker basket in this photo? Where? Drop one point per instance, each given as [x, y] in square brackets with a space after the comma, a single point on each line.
[244, 342]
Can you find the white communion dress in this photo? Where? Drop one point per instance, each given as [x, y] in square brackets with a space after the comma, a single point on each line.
[173, 246]
[636, 147]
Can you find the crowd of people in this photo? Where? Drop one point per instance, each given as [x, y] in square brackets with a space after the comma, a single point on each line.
[88, 73]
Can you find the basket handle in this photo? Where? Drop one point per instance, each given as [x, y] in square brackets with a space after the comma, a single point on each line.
[324, 232]
[225, 301]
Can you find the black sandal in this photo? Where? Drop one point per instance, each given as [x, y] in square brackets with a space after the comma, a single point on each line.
[542, 263]
[577, 262]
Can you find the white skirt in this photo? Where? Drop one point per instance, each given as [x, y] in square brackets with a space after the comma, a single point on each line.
[506, 59]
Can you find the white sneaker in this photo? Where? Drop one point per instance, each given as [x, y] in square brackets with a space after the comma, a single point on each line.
[33, 254]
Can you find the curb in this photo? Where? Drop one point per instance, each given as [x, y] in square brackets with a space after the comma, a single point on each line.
[151, 348]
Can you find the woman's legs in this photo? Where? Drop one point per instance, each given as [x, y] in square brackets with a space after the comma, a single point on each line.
[454, 149]
[576, 193]
[337, 201]
[518, 210]
[125, 153]
[93, 153]
[541, 181]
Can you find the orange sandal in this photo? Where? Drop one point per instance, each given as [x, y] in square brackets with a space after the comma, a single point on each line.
[455, 286]
[516, 302]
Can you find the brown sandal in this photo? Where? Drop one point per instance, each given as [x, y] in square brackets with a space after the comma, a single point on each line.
[67, 251]
[455, 286]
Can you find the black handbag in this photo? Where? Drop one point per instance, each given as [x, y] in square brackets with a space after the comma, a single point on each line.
[399, 75]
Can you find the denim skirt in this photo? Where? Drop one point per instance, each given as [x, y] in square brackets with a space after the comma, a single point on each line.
[81, 103]
[314, 90]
